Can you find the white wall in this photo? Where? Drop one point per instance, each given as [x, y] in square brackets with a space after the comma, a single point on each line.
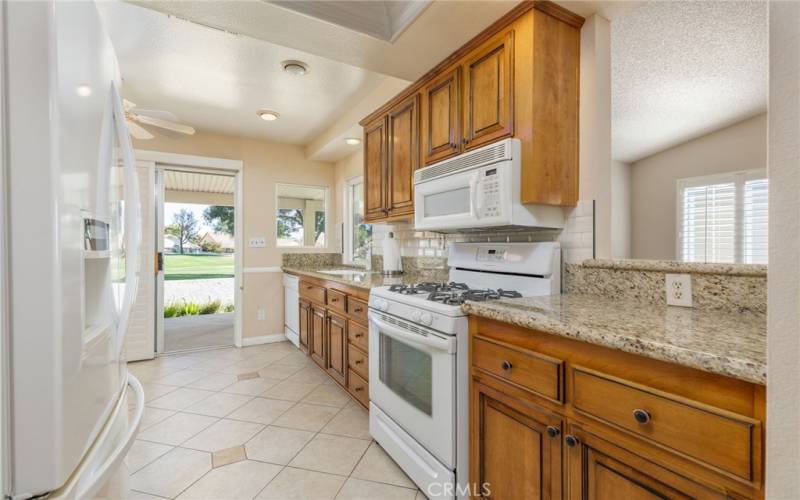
[595, 127]
[742, 146]
[783, 312]
[620, 210]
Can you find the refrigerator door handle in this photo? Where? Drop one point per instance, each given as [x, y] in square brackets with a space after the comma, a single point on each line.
[132, 218]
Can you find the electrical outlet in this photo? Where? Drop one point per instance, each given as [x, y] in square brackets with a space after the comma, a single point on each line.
[679, 290]
[257, 242]
[261, 315]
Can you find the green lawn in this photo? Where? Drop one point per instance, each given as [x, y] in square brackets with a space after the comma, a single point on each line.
[197, 267]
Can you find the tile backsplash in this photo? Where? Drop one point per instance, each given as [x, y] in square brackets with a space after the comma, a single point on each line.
[577, 237]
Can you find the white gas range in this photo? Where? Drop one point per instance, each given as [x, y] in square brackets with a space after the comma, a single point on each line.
[418, 364]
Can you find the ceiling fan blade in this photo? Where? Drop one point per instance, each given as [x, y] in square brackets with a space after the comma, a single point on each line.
[137, 131]
[128, 105]
[156, 113]
[156, 122]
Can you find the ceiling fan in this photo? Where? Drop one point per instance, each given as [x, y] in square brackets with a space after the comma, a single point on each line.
[161, 119]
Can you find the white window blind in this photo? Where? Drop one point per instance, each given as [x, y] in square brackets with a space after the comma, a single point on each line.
[723, 218]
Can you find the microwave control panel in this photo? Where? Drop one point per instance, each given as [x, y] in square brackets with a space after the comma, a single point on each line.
[490, 192]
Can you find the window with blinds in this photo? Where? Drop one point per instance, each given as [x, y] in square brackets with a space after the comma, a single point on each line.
[723, 218]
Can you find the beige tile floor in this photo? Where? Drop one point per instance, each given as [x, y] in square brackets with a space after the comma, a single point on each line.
[260, 422]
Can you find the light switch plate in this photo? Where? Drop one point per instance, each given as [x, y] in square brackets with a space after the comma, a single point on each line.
[679, 290]
[257, 242]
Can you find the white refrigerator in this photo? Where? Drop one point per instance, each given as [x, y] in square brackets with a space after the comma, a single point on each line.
[70, 238]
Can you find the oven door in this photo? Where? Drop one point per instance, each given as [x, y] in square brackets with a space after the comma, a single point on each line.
[412, 379]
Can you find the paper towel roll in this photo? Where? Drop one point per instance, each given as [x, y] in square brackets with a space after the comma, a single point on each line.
[391, 255]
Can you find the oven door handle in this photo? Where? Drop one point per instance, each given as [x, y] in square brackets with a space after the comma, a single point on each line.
[438, 343]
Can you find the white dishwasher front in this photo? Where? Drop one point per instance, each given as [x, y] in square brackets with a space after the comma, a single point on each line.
[291, 308]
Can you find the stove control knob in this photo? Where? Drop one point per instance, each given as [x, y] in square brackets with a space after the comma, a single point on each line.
[416, 317]
[382, 304]
[426, 319]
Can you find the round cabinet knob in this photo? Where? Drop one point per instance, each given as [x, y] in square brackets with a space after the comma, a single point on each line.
[426, 319]
[553, 431]
[641, 416]
[571, 440]
[506, 365]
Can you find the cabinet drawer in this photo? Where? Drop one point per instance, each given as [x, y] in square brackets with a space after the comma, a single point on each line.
[358, 335]
[532, 371]
[714, 436]
[312, 292]
[336, 300]
[357, 309]
[357, 360]
[358, 387]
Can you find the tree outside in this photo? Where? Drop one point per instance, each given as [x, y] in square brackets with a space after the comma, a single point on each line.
[184, 227]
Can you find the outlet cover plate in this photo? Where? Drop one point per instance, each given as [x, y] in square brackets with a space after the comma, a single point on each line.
[257, 242]
[679, 290]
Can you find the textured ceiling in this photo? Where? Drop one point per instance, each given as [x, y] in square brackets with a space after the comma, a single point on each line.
[216, 81]
[684, 69]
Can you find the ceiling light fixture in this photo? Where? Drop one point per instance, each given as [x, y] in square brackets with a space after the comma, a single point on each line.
[267, 115]
[83, 90]
[296, 68]
[352, 141]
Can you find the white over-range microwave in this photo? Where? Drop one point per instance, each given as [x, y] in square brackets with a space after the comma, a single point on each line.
[478, 191]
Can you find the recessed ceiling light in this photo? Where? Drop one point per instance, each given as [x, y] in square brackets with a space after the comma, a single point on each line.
[352, 141]
[83, 90]
[296, 68]
[268, 116]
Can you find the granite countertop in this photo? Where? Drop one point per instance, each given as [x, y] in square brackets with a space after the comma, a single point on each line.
[716, 341]
[364, 279]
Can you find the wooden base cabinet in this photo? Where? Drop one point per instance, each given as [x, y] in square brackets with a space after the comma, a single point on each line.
[305, 321]
[518, 454]
[334, 332]
[337, 347]
[552, 417]
[318, 324]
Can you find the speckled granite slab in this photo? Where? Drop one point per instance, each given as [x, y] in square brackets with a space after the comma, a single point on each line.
[714, 286]
[723, 342]
[362, 279]
[311, 259]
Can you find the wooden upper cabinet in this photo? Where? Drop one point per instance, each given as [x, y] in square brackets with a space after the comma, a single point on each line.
[488, 91]
[441, 104]
[375, 169]
[403, 153]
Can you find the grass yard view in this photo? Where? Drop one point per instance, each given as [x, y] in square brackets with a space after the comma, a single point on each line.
[197, 266]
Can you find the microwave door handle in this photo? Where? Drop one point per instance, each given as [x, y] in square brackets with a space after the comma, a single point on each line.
[433, 341]
[473, 197]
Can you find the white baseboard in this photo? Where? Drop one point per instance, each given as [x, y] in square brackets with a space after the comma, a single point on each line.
[263, 339]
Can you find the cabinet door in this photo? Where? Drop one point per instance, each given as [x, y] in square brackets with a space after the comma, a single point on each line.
[403, 151]
[305, 311]
[441, 133]
[317, 347]
[375, 170]
[512, 453]
[337, 347]
[488, 91]
[599, 470]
